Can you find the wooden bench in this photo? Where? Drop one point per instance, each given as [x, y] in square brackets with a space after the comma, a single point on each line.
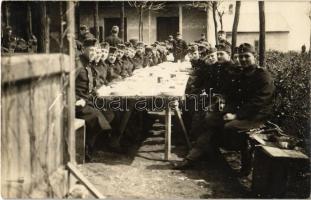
[79, 125]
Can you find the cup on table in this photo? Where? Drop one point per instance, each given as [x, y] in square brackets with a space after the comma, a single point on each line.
[160, 79]
[173, 75]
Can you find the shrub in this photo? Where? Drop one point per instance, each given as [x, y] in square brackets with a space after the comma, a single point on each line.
[291, 72]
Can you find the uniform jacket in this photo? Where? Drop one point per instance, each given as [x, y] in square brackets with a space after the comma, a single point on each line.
[101, 70]
[85, 80]
[180, 49]
[114, 70]
[250, 92]
[128, 66]
[139, 61]
[114, 40]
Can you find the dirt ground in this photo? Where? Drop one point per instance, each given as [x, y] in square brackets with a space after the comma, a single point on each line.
[142, 173]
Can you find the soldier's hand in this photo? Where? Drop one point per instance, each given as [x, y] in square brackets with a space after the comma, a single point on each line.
[229, 117]
[81, 103]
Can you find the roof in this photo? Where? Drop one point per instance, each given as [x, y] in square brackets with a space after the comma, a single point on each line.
[249, 22]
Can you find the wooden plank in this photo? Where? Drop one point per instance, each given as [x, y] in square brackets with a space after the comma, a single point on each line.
[72, 169]
[21, 67]
[79, 123]
[284, 153]
[168, 133]
[71, 88]
[178, 114]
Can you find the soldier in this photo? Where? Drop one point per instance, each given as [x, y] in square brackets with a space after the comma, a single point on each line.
[202, 39]
[114, 69]
[100, 66]
[221, 35]
[248, 105]
[95, 120]
[236, 56]
[150, 56]
[8, 40]
[114, 39]
[129, 54]
[85, 33]
[139, 58]
[179, 48]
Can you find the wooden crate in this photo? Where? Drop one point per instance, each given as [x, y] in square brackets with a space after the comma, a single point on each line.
[280, 173]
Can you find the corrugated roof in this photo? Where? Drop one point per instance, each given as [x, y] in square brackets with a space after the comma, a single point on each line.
[249, 22]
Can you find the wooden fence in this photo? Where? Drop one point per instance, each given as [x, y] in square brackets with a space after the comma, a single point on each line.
[36, 141]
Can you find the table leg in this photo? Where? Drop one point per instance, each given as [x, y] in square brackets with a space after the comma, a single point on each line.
[178, 114]
[123, 124]
[168, 123]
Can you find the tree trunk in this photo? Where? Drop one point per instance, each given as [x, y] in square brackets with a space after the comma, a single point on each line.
[44, 33]
[77, 19]
[235, 26]
[262, 33]
[29, 20]
[6, 8]
[96, 27]
[122, 21]
[215, 21]
[61, 43]
[140, 23]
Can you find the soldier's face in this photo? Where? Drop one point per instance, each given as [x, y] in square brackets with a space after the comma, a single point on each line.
[90, 52]
[112, 57]
[195, 55]
[120, 54]
[131, 53]
[221, 36]
[98, 54]
[223, 56]
[236, 59]
[104, 54]
[140, 50]
[211, 58]
[246, 59]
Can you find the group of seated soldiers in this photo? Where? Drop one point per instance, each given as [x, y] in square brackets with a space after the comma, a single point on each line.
[99, 64]
[240, 92]
[240, 97]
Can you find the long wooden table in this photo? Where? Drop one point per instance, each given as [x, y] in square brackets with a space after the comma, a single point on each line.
[167, 81]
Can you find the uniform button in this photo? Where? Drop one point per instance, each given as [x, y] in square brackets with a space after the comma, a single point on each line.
[239, 89]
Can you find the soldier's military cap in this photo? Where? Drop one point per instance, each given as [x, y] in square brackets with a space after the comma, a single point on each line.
[177, 33]
[104, 45]
[112, 50]
[170, 36]
[140, 44]
[201, 47]
[133, 41]
[211, 50]
[121, 46]
[221, 32]
[115, 28]
[224, 47]
[148, 48]
[193, 48]
[128, 45]
[8, 28]
[84, 27]
[90, 41]
[246, 48]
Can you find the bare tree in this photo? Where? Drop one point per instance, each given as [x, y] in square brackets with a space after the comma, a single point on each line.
[262, 33]
[122, 14]
[235, 25]
[141, 7]
[215, 20]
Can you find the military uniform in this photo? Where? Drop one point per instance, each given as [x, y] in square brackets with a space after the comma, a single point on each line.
[101, 72]
[114, 70]
[95, 120]
[139, 61]
[113, 40]
[179, 49]
[128, 66]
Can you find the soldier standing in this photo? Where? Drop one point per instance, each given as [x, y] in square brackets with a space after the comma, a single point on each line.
[114, 39]
[179, 48]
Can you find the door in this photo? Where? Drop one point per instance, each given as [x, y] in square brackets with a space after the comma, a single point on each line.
[110, 22]
[167, 26]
